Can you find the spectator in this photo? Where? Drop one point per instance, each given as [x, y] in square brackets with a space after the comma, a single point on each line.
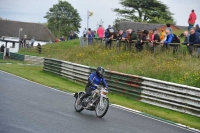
[92, 33]
[122, 35]
[85, 32]
[194, 39]
[32, 42]
[162, 36]
[2, 48]
[191, 20]
[100, 31]
[197, 30]
[57, 40]
[112, 35]
[74, 36]
[169, 38]
[156, 36]
[169, 28]
[89, 35]
[187, 37]
[144, 36]
[107, 31]
[133, 35]
[39, 47]
[186, 42]
[95, 34]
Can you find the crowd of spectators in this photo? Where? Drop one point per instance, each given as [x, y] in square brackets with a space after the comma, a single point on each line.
[163, 38]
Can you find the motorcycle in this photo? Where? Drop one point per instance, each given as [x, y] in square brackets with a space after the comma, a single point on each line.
[97, 102]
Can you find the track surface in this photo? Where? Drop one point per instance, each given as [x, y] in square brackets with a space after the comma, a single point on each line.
[26, 107]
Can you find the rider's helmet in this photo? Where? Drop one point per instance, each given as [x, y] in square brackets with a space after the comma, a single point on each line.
[100, 71]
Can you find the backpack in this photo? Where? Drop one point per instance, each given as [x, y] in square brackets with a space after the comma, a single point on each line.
[175, 39]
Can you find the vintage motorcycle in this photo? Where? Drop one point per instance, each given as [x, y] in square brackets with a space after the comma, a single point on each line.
[97, 102]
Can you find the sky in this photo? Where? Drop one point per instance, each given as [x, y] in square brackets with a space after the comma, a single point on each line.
[35, 10]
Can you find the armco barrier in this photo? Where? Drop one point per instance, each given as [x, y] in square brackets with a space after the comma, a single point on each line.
[17, 56]
[1, 55]
[28, 58]
[173, 96]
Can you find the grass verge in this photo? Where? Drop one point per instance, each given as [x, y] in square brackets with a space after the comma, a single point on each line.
[178, 68]
[36, 74]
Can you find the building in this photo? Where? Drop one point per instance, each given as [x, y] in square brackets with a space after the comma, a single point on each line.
[11, 29]
[124, 25]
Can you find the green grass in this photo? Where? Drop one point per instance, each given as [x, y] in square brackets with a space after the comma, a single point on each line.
[36, 74]
[180, 68]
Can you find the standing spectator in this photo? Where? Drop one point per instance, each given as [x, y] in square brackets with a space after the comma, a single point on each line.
[100, 31]
[107, 31]
[89, 35]
[169, 28]
[95, 34]
[39, 47]
[85, 32]
[32, 42]
[187, 41]
[191, 20]
[194, 39]
[162, 36]
[2, 48]
[197, 30]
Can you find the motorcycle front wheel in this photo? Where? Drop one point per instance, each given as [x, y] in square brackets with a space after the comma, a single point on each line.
[78, 107]
[101, 110]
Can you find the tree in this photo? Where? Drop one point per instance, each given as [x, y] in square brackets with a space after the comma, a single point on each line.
[63, 18]
[144, 11]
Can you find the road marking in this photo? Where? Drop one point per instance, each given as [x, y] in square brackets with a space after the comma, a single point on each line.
[119, 107]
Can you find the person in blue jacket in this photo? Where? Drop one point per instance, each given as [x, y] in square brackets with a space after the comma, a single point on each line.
[96, 78]
[169, 37]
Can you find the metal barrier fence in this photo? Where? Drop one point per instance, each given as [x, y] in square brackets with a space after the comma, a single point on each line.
[28, 58]
[17, 56]
[173, 96]
[1, 55]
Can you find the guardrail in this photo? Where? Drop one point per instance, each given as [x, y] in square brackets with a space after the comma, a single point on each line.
[1, 55]
[17, 56]
[173, 96]
[27, 58]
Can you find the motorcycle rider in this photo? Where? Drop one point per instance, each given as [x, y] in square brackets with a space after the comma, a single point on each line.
[96, 78]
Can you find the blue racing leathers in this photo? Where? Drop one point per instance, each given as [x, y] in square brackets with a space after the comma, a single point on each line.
[95, 79]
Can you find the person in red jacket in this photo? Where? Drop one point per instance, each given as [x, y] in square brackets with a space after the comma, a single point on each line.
[191, 20]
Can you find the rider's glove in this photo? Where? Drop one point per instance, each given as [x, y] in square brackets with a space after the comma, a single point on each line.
[107, 89]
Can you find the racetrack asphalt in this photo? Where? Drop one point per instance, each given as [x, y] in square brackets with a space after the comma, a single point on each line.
[27, 107]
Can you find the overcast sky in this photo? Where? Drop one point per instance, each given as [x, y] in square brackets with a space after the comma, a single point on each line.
[35, 10]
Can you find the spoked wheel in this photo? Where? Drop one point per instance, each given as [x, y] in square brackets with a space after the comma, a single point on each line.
[101, 109]
[77, 105]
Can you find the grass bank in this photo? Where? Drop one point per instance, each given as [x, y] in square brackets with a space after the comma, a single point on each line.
[180, 68]
[36, 74]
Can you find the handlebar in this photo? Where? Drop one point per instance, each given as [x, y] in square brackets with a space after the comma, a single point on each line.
[103, 87]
